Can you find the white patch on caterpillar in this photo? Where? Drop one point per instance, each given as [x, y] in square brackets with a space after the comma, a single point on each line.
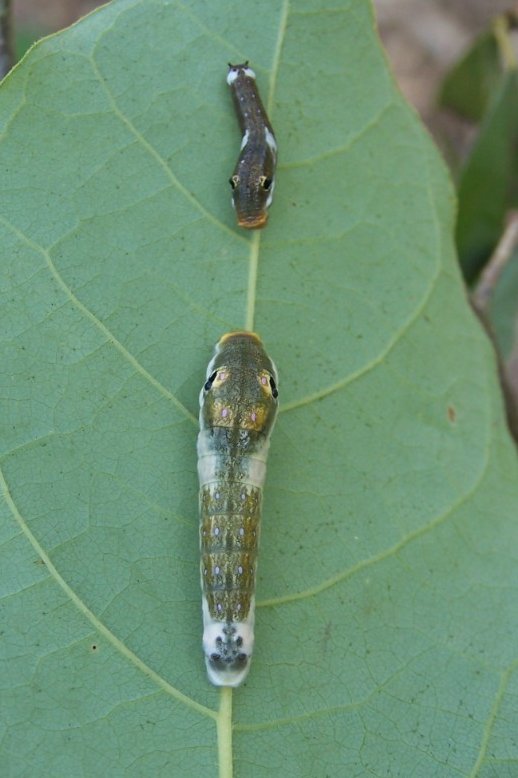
[209, 466]
[256, 472]
[220, 633]
[245, 140]
[233, 73]
[275, 371]
[207, 461]
[270, 140]
[270, 194]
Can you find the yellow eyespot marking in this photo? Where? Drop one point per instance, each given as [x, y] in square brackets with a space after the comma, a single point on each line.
[256, 418]
[221, 377]
[264, 380]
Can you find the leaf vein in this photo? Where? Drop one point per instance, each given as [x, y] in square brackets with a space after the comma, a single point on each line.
[373, 363]
[158, 157]
[256, 238]
[386, 553]
[488, 729]
[398, 334]
[98, 625]
[345, 147]
[110, 337]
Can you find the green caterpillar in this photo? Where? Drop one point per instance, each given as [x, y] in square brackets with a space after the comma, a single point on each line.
[238, 406]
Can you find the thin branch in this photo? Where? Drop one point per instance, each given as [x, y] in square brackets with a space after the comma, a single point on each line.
[503, 252]
[502, 26]
[481, 300]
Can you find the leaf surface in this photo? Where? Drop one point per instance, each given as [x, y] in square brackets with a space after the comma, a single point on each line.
[386, 621]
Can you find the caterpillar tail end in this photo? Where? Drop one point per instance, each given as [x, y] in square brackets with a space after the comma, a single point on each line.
[228, 651]
[221, 674]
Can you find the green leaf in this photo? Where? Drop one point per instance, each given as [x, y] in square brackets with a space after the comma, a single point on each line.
[387, 621]
[470, 85]
[488, 185]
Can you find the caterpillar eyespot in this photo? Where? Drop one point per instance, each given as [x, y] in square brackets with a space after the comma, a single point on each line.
[232, 452]
[253, 180]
